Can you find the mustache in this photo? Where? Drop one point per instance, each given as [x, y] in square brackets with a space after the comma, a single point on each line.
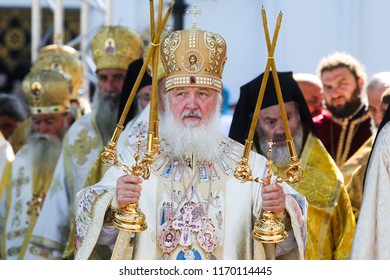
[191, 113]
[279, 137]
[36, 136]
[111, 96]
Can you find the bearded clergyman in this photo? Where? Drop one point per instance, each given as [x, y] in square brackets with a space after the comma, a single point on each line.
[330, 220]
[196, 209]
[48, 93]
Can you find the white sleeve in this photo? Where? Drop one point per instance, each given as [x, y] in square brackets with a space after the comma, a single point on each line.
[108, 236]
[287, 245]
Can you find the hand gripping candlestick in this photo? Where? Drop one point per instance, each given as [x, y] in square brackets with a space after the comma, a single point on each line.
[266, 232]
[269, 229]
[130, 219]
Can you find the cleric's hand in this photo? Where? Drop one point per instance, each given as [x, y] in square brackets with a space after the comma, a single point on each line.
[274, 198]
[128, 189]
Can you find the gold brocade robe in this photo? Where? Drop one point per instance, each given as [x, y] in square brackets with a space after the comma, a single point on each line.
[330, 220]
[353, 171]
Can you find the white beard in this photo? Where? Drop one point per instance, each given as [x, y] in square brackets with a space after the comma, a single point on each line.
[185, 141]
[107, 108]
[281, 155]
[374, 128]
[45, 153]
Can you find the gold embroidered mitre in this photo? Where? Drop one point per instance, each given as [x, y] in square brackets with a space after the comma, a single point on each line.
[48, 91]
[193, 57]
[61, 58]
[115, 47]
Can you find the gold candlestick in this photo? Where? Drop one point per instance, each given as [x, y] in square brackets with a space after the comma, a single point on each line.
[269, 229]
[130, 218]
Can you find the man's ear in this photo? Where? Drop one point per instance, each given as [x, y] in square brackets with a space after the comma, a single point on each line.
[361, 83]
[69, 118]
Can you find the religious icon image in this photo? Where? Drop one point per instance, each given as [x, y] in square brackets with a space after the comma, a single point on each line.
[192, 64]
[207, 237]
[166, 212]
[198, 212]
[109, 46]
[168, 239]
[186, 225]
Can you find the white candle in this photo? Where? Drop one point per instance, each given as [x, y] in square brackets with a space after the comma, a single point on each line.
[107, 17]
[84, 45]
[35, 28]
[58, 22]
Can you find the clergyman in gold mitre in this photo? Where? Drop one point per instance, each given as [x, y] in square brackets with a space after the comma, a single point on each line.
[48, 95]
[193, 57]
[64, 58]
[48, 92]
[115, 47]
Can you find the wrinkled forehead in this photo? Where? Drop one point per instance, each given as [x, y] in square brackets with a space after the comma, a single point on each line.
[274, 110]
[46, 117]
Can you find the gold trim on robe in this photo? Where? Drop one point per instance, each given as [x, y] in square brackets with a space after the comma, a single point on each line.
[353, 171]
[330, 221]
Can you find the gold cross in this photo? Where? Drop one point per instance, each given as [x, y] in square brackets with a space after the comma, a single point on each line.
[83, 146]
[194, 12]
[270, 144]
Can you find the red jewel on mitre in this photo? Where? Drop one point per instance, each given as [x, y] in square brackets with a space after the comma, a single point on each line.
[193, 80]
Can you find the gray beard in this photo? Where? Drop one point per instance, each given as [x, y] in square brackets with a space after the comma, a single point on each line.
[106, 116]
[185, 141]
[374, 128]
[281, 155]
[45, 152]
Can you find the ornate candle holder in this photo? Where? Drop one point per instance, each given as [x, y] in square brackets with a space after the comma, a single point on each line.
[269, 228]
[130, 217]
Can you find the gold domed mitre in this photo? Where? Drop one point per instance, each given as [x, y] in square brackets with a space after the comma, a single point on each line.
[61, 58]
[193, 57]
[115, 47]
[48, 91]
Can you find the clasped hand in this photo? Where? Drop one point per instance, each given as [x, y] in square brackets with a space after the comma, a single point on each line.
[273, 196]
[128, 189]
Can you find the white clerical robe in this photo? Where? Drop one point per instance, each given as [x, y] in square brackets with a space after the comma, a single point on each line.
[82, 145]
[20, 208]
[371, 240]
[6, 157]
[81, 149]
[231, 206]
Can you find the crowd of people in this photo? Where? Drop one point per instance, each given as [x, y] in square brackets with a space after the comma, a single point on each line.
[60, 201]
